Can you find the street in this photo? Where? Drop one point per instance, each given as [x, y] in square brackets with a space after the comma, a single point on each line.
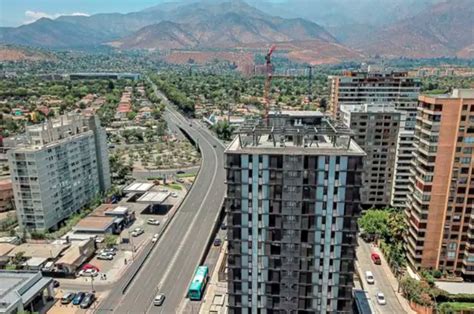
[171, 264]
[382, 282]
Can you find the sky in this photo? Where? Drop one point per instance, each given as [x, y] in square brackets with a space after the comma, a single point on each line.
[18, 12]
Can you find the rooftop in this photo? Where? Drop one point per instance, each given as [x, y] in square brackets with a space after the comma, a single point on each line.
[19, 286]
[153, 197]
[39, 250]
[457, 93]
[138, 187]
[94, 224]
[327, 138]
[298, 113]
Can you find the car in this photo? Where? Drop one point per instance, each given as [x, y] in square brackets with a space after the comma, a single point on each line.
[105, 256]
[180, 172]
[214, 145]
[369, 277]
[110, 250]
[381, 298]
[217, 242]
[137, 231]
[223, 226]
[375, 258]
[56, 283]
[159, 299]
[68, 297]
[88, 273]
[174, 194]
[180, 180]
[163, 190]
[78, 298]
[89, 298]
[155, 238]
[153, 221]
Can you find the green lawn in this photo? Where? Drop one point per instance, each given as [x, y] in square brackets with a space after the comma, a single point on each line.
[175, 186]
[186, 175]
[457, 306]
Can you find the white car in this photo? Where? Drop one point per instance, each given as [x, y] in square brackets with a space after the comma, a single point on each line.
[105, 256]
[155, 238]
[381, 298]
[88, 273]
[369, 277]
[152, 221]
[159, 299]
[137, 231]
[174, 194]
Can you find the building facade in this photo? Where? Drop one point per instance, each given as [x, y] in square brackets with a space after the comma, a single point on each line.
[292, 203]
[439, 212]
[6, 195]
[383, 87]
[56, 169]
[375, 129]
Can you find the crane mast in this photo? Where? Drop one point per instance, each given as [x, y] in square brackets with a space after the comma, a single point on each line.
[268, 81]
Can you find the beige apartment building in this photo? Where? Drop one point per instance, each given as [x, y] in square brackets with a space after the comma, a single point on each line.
[439, 208]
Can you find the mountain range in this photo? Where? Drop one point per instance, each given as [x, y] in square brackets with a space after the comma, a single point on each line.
[338, 29]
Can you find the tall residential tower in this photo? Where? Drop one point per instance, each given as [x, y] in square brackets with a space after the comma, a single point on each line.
[440, 212]
[292, 204]
[357, 88]
[57, 169]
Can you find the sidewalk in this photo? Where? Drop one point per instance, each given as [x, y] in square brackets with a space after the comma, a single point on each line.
[393, 282]
[215, 299]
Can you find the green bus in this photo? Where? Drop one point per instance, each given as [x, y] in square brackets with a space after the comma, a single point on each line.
[198, 284]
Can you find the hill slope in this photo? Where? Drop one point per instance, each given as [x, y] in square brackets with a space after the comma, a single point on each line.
[445, 29]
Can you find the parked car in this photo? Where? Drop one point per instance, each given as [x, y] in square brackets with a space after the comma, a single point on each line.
[152, 221]
[137, 231]
[159, 299]
[91, 272]
[174, 194]
[217, 242]
[89, 298]
[163, 190]
[56, 283]
[68, 297]
[110, 250]
[223, 226]
[78, 298]
[180, 180]
[375, 258]
[369, 277]
[381, 298]
[155, 238]
[180, 172]
[105, 256]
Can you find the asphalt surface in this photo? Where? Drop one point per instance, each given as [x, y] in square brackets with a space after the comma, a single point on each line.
[171, 264]
[381, 282]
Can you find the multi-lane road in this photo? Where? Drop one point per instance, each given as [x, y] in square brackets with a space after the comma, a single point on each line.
[171, 264]
[381, 284]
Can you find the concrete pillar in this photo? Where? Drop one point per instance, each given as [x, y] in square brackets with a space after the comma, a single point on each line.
[50, 290]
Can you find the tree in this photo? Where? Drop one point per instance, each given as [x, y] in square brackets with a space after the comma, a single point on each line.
[375, 222]
[223, 130]
[131, 115]
[110, 240]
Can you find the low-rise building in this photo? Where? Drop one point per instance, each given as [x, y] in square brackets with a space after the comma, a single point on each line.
[22, 291]
[76, 255]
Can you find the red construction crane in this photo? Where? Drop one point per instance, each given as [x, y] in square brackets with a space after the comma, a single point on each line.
[268, 81]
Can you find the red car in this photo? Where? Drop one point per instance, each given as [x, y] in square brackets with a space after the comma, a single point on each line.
[375, 258]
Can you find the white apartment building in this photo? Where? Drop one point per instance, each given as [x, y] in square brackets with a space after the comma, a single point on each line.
[57, 168]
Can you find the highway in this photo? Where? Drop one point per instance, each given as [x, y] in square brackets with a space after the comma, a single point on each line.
[382, 283]
[171, 264]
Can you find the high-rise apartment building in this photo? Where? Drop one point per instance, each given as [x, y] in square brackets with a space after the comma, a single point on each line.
[57, 168]
[292, 203]
[440, 212]
[383, 87]
[375, 129]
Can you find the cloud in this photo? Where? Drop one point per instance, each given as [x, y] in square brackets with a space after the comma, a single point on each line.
[36, 15]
